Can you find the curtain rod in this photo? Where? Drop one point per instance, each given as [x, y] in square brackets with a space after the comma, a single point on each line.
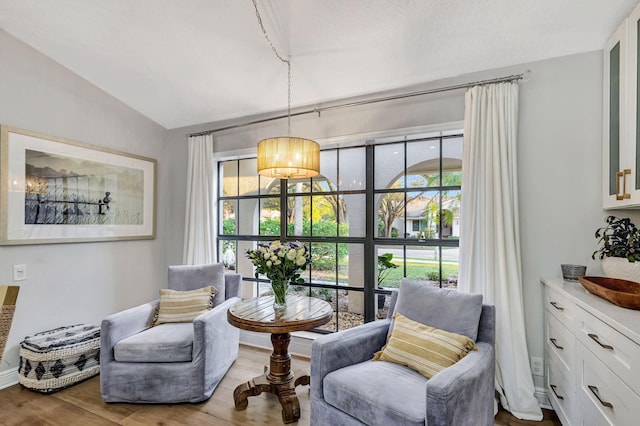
[513, 77]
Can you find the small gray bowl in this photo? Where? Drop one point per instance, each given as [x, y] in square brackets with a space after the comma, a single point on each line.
[572, 272]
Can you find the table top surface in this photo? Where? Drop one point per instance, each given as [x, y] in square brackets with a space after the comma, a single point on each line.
[301, 313]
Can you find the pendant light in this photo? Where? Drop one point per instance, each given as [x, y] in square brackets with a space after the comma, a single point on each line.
[286, 157]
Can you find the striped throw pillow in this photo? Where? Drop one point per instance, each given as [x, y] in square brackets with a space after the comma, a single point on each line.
[422, 348]
[184, 306]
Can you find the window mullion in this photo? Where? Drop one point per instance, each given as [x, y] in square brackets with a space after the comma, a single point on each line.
[370, 258]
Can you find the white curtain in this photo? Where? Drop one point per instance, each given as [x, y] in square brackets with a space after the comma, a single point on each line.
[199, 238]
[489, 235]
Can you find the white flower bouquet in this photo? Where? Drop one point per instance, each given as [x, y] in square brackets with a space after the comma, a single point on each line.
[282, 263]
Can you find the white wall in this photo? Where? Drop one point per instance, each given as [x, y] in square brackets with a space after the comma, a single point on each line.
[83, 282]
[560, 175]
[559, 160]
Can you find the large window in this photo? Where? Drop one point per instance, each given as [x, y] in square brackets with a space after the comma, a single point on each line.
[377, 212]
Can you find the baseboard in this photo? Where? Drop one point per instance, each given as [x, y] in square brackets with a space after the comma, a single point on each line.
[8, 377]
[299, 345]
[543, 399]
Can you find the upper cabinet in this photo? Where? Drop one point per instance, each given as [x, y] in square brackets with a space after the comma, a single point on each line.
[621, 139]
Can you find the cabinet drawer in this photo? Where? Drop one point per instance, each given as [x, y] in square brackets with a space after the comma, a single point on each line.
[590, 416]
[615, 350]
[560, 389]
[560, 342]
[602, 395]
[560, 307]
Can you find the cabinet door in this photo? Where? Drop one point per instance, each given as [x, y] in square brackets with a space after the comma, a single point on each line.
[560, 342]
[615, 350]
[615, 118]
[602, 395]
[561, 307]
[560, 389]
[632, 152]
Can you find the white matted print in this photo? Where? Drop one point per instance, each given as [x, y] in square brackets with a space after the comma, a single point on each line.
[54, 190]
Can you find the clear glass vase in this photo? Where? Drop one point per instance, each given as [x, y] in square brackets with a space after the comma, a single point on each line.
[279, 288]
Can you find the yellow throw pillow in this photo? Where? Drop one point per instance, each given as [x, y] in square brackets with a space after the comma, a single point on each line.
[422, 348]
[184, 306]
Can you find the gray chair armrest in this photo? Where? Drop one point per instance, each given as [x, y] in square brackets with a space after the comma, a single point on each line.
[462, 394]
[215, 343]
[232, 285]
[123, 324]
[487, 326]
[334, 351]
[212, 326]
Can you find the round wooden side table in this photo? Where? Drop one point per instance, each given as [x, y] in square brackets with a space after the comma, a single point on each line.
[258, 314]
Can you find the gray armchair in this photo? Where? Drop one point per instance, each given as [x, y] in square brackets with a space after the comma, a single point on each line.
[173, 362]
[348, 389]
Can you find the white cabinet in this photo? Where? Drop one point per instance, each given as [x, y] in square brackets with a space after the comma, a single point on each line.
[621, 139]
[592, 357]
[559, 350]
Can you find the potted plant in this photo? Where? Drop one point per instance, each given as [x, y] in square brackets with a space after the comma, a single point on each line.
[384, 268]
[619, 248]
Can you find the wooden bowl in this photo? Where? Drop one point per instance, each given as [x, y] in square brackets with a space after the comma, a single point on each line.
[621, 292]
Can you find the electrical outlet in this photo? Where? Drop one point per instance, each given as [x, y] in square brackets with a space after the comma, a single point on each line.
[537, 366]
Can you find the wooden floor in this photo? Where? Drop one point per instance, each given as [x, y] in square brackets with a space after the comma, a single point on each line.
[82, 405]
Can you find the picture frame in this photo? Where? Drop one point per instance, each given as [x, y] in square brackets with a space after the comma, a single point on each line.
[54, 190]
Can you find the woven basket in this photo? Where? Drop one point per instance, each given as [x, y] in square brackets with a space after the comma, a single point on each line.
[572, 272]
[55, 359]
[8, 296]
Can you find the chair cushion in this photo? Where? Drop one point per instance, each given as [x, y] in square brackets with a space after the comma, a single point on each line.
[172, 342]
[183, 306]
[190, 277]
[422, 348]
[364, 391]
[449, 310]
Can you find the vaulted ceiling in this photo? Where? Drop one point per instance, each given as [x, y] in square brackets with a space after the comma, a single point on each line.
[185, 62]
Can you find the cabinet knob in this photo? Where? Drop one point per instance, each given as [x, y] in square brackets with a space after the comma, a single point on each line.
[596, 339]
[623, 174]
[618, 195]
[553, 389]
[625, 195]
[595, 392]
[555, 305]
[553, 342]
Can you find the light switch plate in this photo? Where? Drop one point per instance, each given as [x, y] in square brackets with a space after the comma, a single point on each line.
[19, 272]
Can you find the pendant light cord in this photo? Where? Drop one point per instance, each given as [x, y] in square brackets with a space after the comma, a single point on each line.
[286, 61]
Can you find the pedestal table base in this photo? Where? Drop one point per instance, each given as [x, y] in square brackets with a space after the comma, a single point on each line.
[278, 379]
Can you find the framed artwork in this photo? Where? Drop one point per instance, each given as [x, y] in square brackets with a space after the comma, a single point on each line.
[54, 190]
